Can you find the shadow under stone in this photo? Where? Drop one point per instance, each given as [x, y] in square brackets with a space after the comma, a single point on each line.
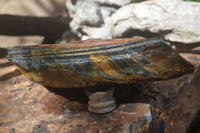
[130, 93]
[10, 75]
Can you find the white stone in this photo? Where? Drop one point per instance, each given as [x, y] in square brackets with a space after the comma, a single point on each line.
[180, 19]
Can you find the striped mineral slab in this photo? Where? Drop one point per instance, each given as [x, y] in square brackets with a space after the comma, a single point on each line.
[95, 62]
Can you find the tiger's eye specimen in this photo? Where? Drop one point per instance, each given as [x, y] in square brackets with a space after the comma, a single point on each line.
[99, 62]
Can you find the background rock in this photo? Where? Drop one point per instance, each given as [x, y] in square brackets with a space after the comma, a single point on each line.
[175, 20]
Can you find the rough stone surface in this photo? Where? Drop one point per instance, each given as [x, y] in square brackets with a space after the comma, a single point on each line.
[178, 107]
[29, 107]
[175, 20]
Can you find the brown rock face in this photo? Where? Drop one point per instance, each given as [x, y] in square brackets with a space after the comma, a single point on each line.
[30, 107]
[27, 107]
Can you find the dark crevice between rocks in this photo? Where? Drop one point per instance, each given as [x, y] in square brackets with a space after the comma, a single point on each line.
[187, 48]
[72, 94]
[108, 5]
[158, 125]
[195, 125]
[125, 93]
[147, 34]
[130, 93]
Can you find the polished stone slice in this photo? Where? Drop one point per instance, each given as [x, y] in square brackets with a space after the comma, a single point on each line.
[96, 62]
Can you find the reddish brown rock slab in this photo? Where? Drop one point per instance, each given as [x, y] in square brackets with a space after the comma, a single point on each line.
[126, 118]
[28, 107]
